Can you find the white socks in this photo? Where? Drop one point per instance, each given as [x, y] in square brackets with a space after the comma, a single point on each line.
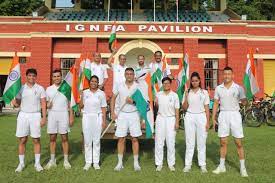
[242, 165]
[21, 159]
[52, 157]
[136, 160]
[37, 159]
[120, 158]
[222, 161]
[66, 157]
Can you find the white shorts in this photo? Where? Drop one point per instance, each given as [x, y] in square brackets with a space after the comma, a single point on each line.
[230, 121]
[58, 122]
[128, 122]
[28, 124]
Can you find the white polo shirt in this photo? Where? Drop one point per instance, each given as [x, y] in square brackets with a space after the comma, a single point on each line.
[140, 75]
[167, 103]
[118, 74]
[59, 101]
[123, 92]
[93, 101]
[155, 65]
[229, 98]
[100, 71]
[30, 98]
[197, 101]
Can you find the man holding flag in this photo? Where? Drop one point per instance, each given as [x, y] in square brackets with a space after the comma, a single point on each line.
[31, 99]
[59, 120]
[127, 118]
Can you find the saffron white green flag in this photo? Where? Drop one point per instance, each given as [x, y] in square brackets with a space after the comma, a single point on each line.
[183, 76]
[112, 39]
[145, 111]
[85, 73]
[13, 84]
[69, 88]
[250, 79]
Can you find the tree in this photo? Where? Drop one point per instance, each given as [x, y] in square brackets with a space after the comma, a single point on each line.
[19, 7]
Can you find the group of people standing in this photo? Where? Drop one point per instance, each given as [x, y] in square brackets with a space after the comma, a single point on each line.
[32, 99]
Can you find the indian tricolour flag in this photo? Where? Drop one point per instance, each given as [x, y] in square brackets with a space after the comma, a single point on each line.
[112, 39]
[145, 108]
[85, 72]
[183, 76]
[250, 79]
[69, 88]
[13, 84]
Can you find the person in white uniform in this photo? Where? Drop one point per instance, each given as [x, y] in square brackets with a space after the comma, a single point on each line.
[127, 118]
[167, 122]
[196, 122]
[227, 97]
[118, 73]
[99, 70]
[60, 118]
[32, 100]
[93, 102]
[141, 71]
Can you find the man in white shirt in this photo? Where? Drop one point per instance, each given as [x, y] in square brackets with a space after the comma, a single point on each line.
[228, 95]
[127, 118]
[99, 70]
[31, 99]
[60, 118]
[167, 122]
[141, 71]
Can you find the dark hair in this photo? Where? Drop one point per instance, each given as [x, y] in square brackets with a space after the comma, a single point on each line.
[121, 55]
[166, 79]
[57, 71]
[129, 69]
[228, 69]
[194, 74]
[140, 56]
[94, 77]
[31, 71]
[158, 52]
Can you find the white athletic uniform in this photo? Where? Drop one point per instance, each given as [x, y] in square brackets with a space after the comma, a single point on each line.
[128, 116]
[194, 124]
[154, 66]
[29, 117]
[118, 77]
[229, 116]
[100, 71]
[165, 126]
[58, 115]
[92, 123]
[140, 75]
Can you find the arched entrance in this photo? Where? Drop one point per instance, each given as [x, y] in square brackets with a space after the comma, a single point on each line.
[138, 47]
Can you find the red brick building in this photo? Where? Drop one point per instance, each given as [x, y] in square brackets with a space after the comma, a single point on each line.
[48, 44]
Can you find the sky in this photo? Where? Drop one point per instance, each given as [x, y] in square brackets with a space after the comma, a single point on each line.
[63, 3]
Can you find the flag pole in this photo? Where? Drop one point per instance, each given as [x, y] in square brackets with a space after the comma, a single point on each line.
[177, 1]
[154, 10]
[109, 4]
[131, 10]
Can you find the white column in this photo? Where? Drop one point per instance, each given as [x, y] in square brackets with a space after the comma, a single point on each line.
[154, 10]
[109, 4]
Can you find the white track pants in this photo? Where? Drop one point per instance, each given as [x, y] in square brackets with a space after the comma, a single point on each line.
[194, 125]
[165, 131]
[91, 127]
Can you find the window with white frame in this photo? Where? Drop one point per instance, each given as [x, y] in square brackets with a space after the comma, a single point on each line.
[211, 73]
[66, 64]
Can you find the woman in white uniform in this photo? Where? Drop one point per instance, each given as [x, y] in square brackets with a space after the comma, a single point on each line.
[196, 122]
[93, 102]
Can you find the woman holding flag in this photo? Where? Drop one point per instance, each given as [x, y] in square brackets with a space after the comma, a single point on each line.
[196, 122]
[93, 102]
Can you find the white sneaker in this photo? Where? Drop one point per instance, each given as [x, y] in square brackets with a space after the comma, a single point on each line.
[159, 167]
[219, 170]
[96, 166]
[38, 168]
[243, 172]
[50, 164]
[186, 169]
[172, 168]
[118, 168]
[19, 168]
[203, 169]
[87, 166]
[67, 165]
[137, 167]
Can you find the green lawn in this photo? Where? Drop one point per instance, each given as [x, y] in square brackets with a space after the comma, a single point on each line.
[259, 146]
